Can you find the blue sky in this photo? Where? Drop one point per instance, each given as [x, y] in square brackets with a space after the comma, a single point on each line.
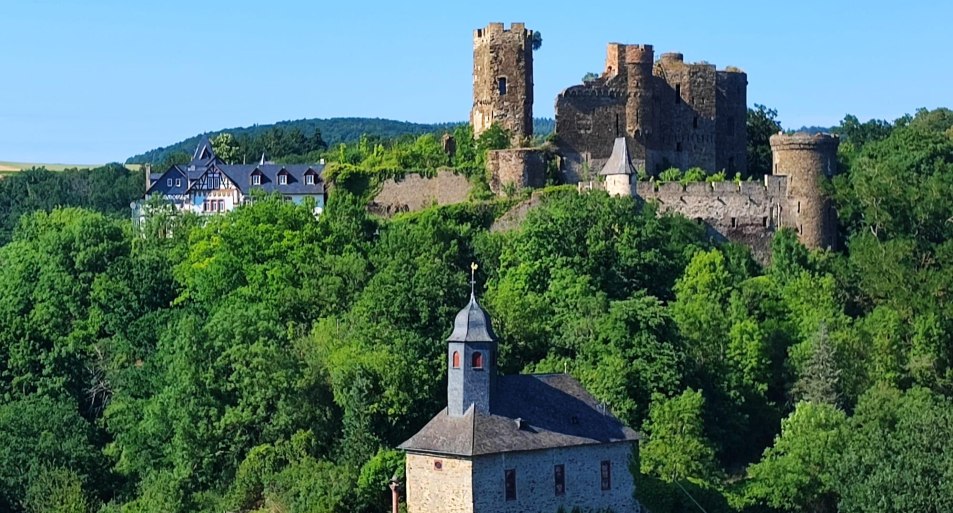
[99, 80]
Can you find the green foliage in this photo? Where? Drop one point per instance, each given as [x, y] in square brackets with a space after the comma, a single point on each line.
[798, 473]
[762, 123]
[897, 457]
[677, 448]
[589, 77]
[40, 438]
[107, 189]
[226, 148]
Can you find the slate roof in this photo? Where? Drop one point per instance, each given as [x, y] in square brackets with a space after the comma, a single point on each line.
[204, 159]
[619, 162]
[555, 410]
[472, 324]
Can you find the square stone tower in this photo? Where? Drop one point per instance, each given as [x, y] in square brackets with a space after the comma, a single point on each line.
[503, 80]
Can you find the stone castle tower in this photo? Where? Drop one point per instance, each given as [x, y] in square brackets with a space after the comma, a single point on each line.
[674, 114]
[503, 80]
[806, 160]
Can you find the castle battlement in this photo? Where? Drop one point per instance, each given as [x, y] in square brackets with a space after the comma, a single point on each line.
[497, 29]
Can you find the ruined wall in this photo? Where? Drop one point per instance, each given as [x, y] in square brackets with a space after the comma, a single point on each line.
[746, 213]
[503, 80]
[516, 167]
[675, 114]
[807, 161]
[415, 192]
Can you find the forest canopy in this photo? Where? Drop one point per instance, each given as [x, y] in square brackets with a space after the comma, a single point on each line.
[266, 360]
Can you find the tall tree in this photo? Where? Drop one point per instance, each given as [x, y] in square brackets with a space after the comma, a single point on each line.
[762, 124]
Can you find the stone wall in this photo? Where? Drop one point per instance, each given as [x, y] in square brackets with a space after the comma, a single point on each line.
[675, 114]
[747, 213]
[517, 167]
[503, 80]
[437, 484]
[415, 192]
[535, 483]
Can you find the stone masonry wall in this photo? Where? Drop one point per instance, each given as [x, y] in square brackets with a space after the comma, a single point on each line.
[438, 484]
[808, 160]
[746, 213]
[676, 114]
[535, 483]
[503, 80]
[415, 192]
[517, 167]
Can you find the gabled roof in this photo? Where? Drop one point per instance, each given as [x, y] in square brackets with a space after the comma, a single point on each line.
[160, 185]
[527, 413]
[619, 162]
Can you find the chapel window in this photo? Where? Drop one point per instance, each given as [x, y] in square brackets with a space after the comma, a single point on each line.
[456, 359]
[477, 360]
[559, 476]
[168, 182]
[178, 182]
[606, 475]
[509, 488]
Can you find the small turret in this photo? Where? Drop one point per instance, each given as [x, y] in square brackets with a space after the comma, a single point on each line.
[619, 173]
[807, 160]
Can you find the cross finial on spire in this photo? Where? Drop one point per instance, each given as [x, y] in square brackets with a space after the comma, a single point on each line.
[473, 268]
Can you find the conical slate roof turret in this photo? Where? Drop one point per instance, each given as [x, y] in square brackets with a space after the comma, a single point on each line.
[619, 162]
[472, 324]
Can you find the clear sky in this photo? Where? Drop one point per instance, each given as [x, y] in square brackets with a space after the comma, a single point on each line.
[99, 80]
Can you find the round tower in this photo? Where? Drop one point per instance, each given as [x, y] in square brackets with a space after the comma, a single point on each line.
[503, 80]
[807, 160]
[639, 60]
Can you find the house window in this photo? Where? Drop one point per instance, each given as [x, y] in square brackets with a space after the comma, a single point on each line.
[501, 85]
[477, 360]
[178, 182]
[168, 182]
[309, 179]
[456, 359]
[559, 478]
[221, 205]
[282, 179]
[606, 475]
[509, 488]
[256, 179]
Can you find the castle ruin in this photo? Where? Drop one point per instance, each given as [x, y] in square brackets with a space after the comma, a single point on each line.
[503, 81]
[640, 117]
[746, 212]
[673, 114]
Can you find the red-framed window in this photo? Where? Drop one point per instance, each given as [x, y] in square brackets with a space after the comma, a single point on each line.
[477, 360]
[456, 359]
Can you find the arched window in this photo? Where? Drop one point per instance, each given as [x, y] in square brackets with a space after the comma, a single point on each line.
[456, 359]
[477, 360]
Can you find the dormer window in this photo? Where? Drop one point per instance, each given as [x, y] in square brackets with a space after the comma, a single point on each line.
[282, 179]
[309, 179]
[256, 179]
[456, 360]
[477, 360]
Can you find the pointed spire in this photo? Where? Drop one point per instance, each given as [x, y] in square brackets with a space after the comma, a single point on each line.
[619, 162]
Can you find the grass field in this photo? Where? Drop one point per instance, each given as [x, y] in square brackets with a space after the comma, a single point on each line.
[10, 167]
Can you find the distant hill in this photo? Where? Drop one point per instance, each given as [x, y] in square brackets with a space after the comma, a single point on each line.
[334, 131]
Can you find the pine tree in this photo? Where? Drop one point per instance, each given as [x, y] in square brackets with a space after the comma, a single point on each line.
[819, 381]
